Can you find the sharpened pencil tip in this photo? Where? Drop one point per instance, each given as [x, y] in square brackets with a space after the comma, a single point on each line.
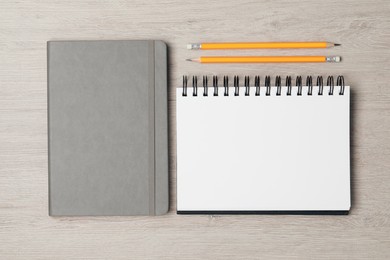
[193, 60]
[337, 44]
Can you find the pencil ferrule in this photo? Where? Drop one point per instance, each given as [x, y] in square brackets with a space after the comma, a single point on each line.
[194, 46]
[333, 59]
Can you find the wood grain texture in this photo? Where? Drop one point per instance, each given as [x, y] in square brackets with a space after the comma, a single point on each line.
[363, 29]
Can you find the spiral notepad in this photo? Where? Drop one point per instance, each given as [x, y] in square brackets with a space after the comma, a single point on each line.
[258, 145]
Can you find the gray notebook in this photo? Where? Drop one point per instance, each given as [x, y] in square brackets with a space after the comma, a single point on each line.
[108, 128]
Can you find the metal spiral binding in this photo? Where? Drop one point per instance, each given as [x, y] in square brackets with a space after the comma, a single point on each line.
[278, 84]
[236, 84]
[185, 80]
[340, 82]
[330, 84]
[215, 85]
[267, 83]
[226, 85]
[205, 87]
[288, 85]
[298, 83]
[257, 85]
[247, 85]
[195, 86]
[309, 84]
[320, 84]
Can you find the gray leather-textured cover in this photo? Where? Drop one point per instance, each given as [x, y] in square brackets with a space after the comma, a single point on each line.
[108, 128]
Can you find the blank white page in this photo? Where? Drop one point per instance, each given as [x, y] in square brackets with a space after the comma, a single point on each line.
[263, 153]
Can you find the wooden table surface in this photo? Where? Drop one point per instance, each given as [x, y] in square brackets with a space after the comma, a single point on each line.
[363, 29]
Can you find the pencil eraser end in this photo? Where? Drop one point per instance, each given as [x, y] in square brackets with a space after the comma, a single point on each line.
[189, 46]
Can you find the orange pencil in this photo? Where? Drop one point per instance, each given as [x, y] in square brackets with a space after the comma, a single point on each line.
[259, 45]
[265, 59]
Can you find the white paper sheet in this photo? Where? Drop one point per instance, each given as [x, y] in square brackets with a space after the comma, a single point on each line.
[263, 153]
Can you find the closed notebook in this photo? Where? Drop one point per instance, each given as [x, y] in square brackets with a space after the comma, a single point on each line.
[249, 145]
[108, 128]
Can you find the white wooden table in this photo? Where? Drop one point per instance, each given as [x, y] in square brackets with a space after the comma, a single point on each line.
[363, 29]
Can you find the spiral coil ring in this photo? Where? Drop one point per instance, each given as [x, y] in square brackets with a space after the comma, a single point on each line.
[330, 84]
[267, 85]
[195, 86]
[257, 85]
[236, 84]
[309, 84]
[185, 80]
[226, 85]
[299, 85]
[247, 85]
[320, 84]
[215, 85]
[288, 85]
[340, 82]
[205, 86]
[278, 84]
